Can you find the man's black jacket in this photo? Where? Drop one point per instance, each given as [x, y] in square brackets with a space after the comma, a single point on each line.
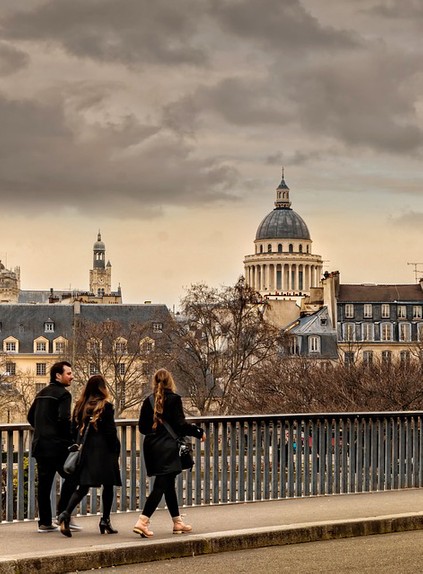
[50, 416]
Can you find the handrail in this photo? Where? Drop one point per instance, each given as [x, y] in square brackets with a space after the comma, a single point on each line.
[246, 457]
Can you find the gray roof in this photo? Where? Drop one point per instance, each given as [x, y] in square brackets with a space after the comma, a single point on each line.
[380, 293]
[282, 223]
[26, 322]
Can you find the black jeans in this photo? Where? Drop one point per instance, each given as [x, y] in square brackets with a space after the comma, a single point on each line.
[82, 490]
[47, 468]
[163, 485]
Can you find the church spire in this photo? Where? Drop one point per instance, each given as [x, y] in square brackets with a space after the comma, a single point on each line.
[282, 194]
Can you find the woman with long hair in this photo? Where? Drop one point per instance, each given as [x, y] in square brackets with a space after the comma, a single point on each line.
[100, 456]
[161, 453]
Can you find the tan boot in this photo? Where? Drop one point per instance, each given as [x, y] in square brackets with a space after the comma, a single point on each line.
[179, 526]
[141, 527]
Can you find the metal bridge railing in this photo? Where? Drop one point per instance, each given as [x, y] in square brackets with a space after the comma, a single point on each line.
[246, 458]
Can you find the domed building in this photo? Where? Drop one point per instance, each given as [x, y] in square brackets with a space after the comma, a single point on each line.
[283, 265]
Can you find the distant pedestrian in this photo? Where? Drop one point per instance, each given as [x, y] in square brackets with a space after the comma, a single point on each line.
[50, 416]
[161, 453]
[100, 455]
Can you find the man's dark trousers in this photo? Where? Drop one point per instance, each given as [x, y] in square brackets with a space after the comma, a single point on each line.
[47, 468]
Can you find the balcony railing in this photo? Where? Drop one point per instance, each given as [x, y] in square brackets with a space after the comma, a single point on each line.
[246, 458]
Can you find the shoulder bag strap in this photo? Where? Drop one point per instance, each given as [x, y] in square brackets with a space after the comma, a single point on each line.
[164, 423]
[84, 436]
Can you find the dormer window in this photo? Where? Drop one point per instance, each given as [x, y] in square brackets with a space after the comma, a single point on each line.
[49, 326]
[157, 327]
[40, 345]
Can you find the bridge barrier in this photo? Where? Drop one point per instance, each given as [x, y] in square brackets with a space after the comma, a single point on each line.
[245, 458]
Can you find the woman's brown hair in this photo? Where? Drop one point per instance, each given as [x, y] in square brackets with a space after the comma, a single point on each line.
[92, 401]
[162, 380]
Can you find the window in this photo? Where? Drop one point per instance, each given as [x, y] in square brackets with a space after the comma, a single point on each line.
[368, 311]
[417, 312]
[405, 358]
[10, 347]
[386, 311]
[368, 358]
[121, 369]
[40, 369]
[39, 387]
[41, 347]
[280, 248]
[157, 327]
[367, 332]
[295, 345]
[349, 332]
[59, 346]
[402, 312]
[386, 358]
[300, 248]
[269, 248]
[93, 369]
[94, 347]
[10, 369]
[404, 332]
[349, 358]
[21, 328]
[291, 248]
[314, 344]
[386, 332]
[121, 347]
[349, 310]
[49, 327]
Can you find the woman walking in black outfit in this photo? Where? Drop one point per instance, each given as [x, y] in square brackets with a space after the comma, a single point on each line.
[100, 455]
[160, 450]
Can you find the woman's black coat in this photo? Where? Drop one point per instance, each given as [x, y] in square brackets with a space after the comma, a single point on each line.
[100, 454]
[161, 454]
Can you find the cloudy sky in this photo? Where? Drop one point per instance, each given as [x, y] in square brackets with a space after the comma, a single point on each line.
[165, 125]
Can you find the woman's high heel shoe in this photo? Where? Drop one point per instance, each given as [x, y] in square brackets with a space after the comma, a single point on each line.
[64, 521]
[106, 527]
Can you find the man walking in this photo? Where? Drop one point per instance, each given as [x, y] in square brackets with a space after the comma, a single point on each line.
[50, 416]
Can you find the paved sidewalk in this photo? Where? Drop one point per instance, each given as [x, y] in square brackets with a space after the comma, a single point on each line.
[216, 529]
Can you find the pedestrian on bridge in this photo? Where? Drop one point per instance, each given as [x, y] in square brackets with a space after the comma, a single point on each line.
[161, 452]
[99, 463]
[50, 417]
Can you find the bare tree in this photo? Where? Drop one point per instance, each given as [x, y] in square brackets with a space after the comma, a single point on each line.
[17, 391]
[123, 354]
[218, 343]
[299, 384]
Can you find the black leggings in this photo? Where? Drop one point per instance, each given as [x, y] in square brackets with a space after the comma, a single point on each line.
[163, 485]
[81, 491]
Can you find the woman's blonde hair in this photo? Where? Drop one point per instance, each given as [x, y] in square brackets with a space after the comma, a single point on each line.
[162, 380]
[91, 402]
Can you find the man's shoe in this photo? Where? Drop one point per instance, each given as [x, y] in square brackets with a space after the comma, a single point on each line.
[51, 528]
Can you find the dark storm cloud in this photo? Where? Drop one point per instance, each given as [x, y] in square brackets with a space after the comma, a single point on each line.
[132, 32]
[124, 169]
[11, 59]
[278, 24]
[406, 9]
[366, 100]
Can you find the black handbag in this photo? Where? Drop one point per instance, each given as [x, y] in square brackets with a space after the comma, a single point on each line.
[186, 454]
[73, 459]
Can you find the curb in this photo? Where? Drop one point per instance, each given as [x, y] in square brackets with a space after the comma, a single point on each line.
[197, 545]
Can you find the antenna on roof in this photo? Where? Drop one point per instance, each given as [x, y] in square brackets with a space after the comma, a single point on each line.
[416, 270]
